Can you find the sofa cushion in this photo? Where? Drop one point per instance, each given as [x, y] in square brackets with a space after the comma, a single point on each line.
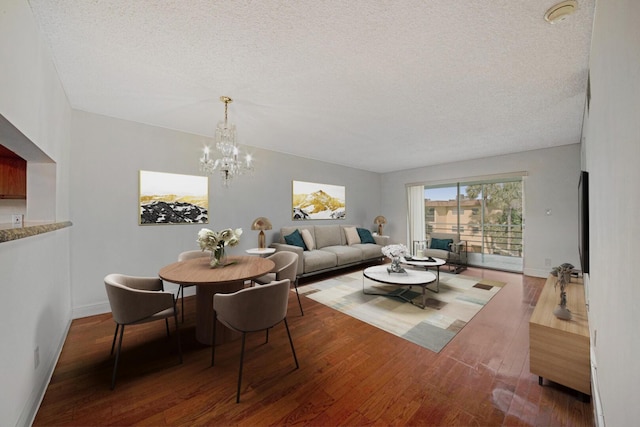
[295, 239]
[318, 260]
[369, 251]
[352, 235]
[439, 235]
[308, 239]
[345, 254]
[365, 236]
[328, 235]
[443, 244]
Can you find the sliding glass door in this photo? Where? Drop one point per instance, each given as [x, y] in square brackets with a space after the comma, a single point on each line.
[487, 214]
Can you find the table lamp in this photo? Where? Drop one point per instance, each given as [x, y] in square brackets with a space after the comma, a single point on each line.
[261, 224]
[380, 221]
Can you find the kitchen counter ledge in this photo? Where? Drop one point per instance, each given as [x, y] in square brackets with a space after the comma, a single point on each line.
[10, 232]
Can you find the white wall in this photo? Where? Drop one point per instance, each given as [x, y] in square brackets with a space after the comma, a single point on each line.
[612, 153]
[34, 272]
[551, 183]
[106, 157]
[10, 207]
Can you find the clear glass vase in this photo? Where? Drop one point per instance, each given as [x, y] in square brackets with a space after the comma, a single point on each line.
[395, 266]
[218, 257]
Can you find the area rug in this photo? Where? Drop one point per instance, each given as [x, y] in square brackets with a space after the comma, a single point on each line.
[446, 313]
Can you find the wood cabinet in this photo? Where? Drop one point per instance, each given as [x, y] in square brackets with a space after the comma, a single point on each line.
[13, 175]
[559, 349]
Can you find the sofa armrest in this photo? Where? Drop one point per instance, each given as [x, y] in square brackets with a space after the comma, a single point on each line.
[462, 250]
[381, 240]
[291, 248]
[459, 247]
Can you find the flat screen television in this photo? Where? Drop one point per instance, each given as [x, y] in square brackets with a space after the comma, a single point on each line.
[583, 221]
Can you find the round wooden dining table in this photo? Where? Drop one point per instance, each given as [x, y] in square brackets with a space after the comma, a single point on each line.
[209, 281]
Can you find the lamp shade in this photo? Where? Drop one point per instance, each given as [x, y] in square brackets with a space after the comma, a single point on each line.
[380, 221]
[261, 223]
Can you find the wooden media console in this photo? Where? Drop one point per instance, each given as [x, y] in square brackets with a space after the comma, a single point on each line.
[559, 349]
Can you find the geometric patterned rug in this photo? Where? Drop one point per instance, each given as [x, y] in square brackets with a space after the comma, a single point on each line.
[446, 313]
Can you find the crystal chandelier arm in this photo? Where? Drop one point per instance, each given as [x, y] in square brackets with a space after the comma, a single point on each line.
[229, 164]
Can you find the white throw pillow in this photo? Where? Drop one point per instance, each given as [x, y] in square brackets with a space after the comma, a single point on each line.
[351, 233]
[308, 239]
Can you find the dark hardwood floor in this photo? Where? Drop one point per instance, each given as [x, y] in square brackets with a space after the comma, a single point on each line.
[350, 374]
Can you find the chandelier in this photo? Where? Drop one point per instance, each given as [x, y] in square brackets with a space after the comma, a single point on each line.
[229, 164]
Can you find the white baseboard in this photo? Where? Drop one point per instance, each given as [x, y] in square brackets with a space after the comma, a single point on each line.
[28, 415]
[595, 392]
[535, 272]
[91, 310]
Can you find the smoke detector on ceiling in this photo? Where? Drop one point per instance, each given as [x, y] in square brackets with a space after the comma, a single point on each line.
[560, 11]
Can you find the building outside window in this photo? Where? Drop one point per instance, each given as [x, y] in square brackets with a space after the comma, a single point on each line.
[487, 215]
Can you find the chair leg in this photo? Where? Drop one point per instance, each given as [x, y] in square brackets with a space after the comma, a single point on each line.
[175, 317]
[166, 322]
[213, 342]
[293, 350]
[244, 335]
[113, 344]
[181, 290]
[115, 365]
[295, 285]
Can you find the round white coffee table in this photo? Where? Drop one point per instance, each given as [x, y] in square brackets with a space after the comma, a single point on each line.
[426, 263]
[379, 273]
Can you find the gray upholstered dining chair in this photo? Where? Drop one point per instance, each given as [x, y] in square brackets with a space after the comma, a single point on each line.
[286, 267]
[258, 308]
[183, 256]
[135, 300]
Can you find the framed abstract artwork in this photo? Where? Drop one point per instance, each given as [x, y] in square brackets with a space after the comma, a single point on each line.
[317, 201]
[169, 198]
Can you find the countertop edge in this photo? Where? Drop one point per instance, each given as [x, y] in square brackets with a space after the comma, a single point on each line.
[8, 234]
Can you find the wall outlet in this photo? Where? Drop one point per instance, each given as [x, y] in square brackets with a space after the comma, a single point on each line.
[16, 219]
[36, 358]
[547, 262]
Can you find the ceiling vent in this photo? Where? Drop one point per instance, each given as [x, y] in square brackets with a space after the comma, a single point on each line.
[560, 11]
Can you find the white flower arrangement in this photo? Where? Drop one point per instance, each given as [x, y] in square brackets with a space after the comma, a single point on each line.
[216, 241]
[394, 251]
[210, 240]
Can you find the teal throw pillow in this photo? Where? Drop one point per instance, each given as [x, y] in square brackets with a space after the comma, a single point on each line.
[441, 244]
[365, 236]
[295, 239]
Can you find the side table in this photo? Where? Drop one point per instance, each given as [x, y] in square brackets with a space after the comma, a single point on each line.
[260, 252]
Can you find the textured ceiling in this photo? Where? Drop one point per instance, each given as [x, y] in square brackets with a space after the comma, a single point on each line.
[376, 85]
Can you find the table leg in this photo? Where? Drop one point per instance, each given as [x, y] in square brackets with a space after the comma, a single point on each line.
[204, 313]
[437, 289]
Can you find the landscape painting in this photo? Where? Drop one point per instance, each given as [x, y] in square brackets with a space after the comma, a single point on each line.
[318, 201]
[169, 198]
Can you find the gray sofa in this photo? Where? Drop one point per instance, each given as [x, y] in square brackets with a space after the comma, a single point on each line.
[330, 248]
